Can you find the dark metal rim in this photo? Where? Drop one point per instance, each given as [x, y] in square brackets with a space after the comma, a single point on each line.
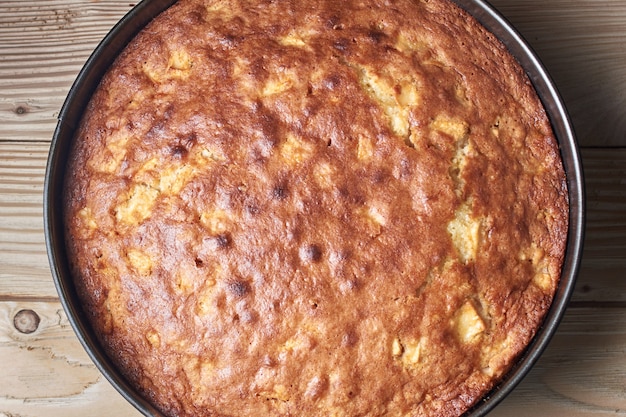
[104, 55]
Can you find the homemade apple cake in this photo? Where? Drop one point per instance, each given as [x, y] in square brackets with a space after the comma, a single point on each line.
[315, 208]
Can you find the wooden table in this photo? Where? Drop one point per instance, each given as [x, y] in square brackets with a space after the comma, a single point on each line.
[45, 371]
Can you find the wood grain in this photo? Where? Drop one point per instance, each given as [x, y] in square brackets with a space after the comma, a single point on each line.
[50, 374]
[580, 374]
[24, 269]
[588, 348]
[43, 45]
[46, 372]
[582, 43]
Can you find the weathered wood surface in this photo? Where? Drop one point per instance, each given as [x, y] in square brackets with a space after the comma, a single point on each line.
[43, 45]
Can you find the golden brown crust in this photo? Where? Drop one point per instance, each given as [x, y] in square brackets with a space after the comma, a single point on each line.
[315, 208]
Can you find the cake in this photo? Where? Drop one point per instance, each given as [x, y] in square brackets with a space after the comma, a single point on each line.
[321, 208]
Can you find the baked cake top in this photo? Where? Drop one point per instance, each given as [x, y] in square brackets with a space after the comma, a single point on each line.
[315, 208]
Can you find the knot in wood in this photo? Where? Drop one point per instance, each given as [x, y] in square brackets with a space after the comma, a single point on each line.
[26, 321]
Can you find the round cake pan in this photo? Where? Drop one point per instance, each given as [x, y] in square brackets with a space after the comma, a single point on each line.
[104, 55]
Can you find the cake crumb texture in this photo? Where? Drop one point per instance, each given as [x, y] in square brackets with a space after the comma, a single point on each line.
[320, 208]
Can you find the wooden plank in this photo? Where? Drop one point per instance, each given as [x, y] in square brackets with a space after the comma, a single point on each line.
[581, 44]
[600, 281]
[580, 374]
[24, 269]
[43, 45]
[603, 266]
[49, 373]
[605, 183]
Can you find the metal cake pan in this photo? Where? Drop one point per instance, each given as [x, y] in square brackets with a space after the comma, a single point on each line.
[119, 36]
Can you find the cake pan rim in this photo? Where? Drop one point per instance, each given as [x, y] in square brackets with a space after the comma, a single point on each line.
[114, 42]
[69, 117]
[564, 132]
